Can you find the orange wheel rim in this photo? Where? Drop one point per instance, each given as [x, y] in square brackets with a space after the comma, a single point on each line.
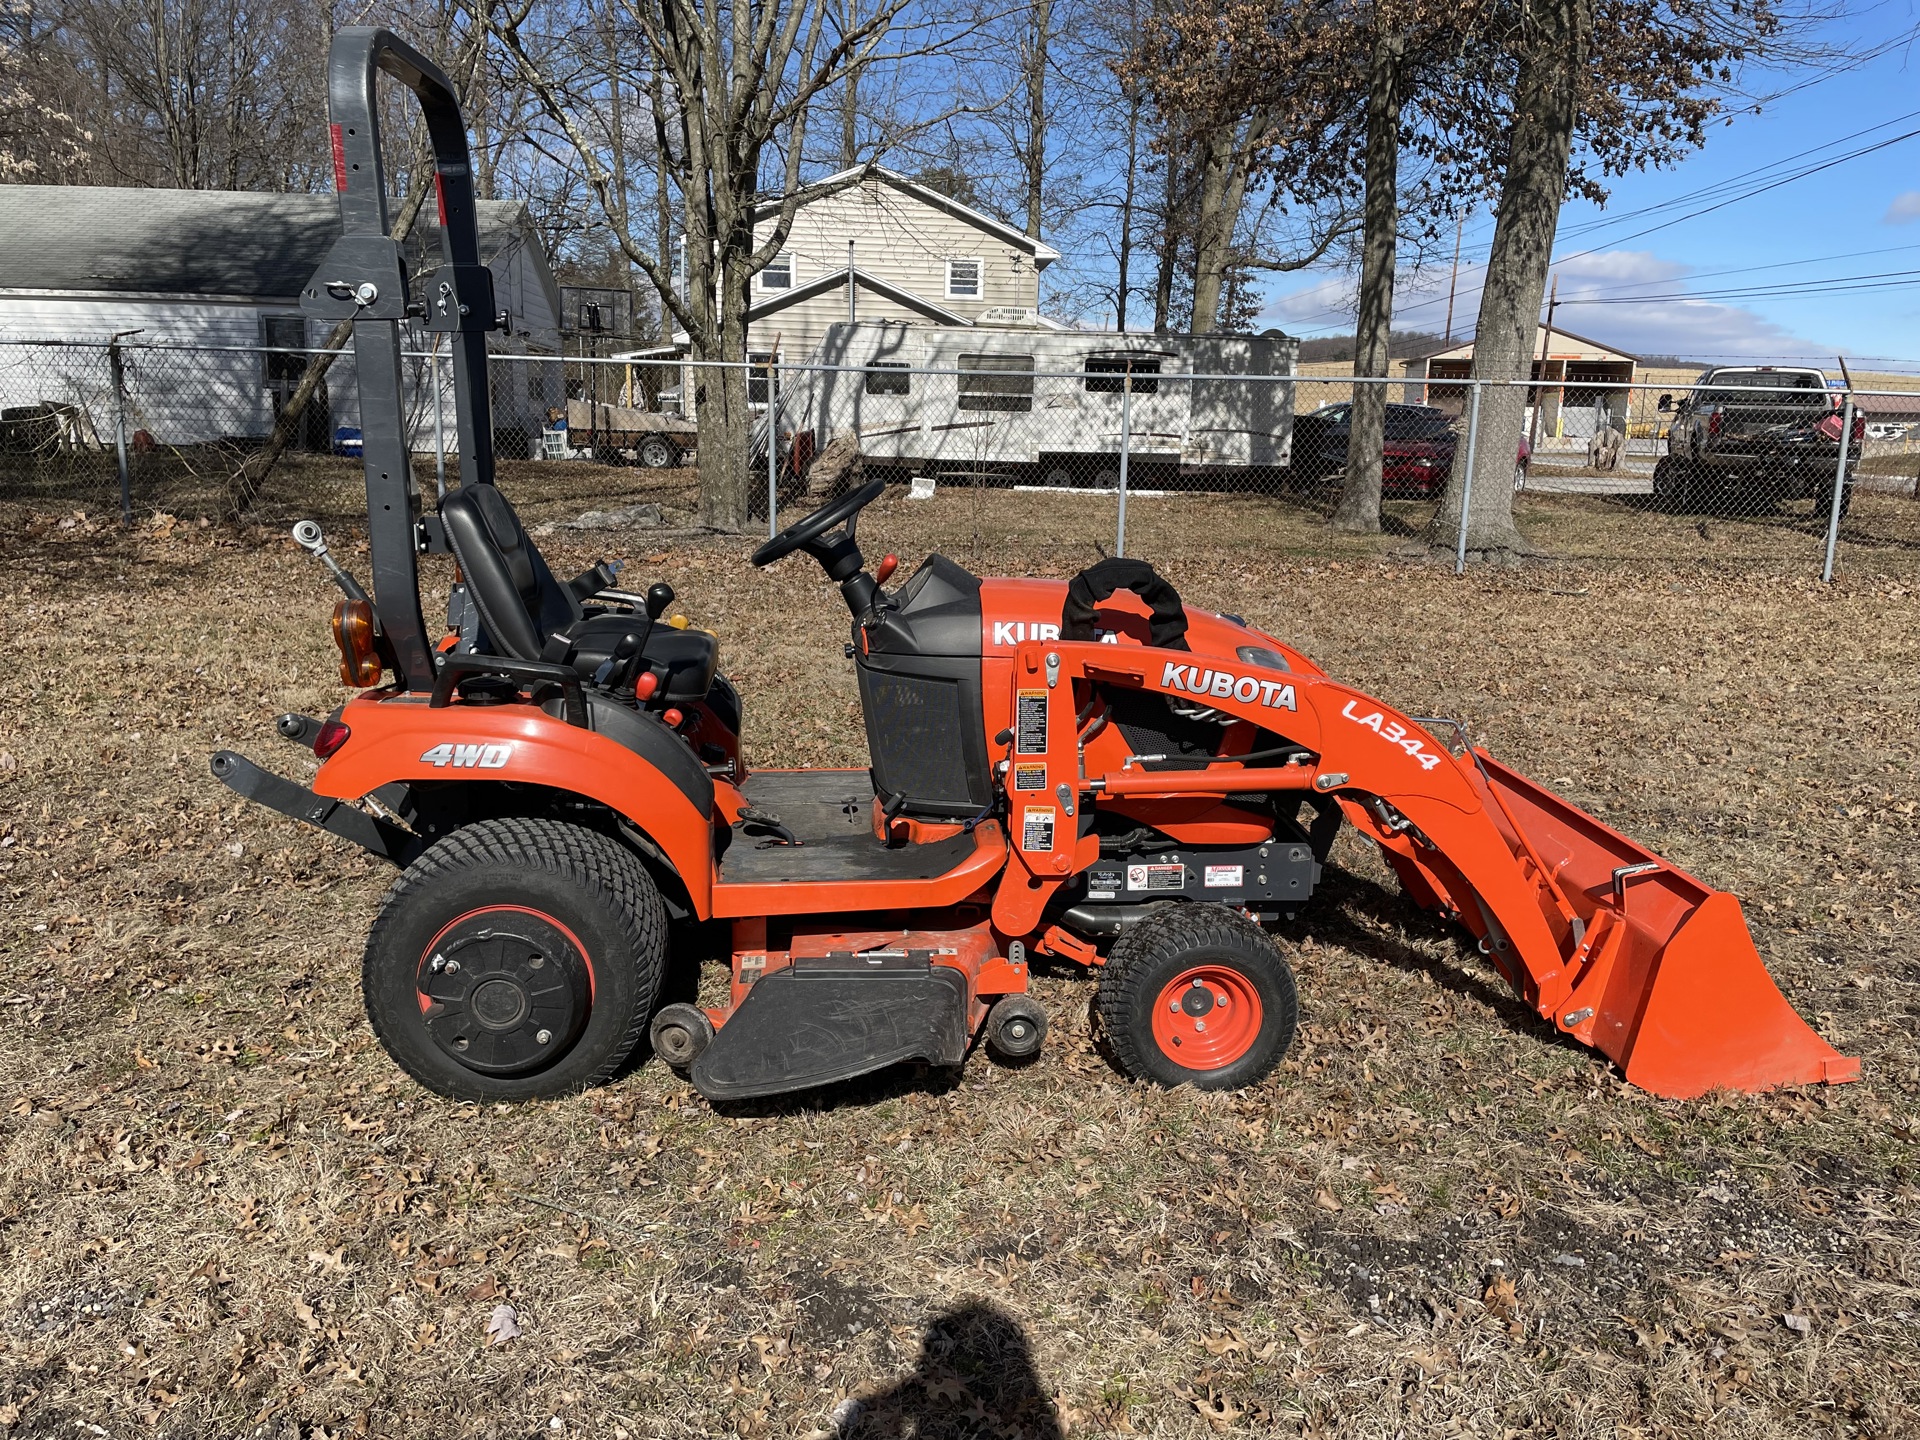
[1207, 1017]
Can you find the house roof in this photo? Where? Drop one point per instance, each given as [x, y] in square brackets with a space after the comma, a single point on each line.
[229, 243]
[1464, 349]
[1043, 253]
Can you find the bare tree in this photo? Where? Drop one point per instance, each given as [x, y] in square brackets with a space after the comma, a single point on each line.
[738, 84]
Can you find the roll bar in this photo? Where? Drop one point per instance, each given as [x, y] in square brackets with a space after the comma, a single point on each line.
[364, 280]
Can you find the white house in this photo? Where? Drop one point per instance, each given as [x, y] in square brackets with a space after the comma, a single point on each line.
[212, 277]
[873, 245]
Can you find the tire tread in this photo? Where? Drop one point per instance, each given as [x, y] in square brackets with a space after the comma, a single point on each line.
[561, 849]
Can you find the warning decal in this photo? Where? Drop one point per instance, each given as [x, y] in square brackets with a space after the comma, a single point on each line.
[1156, 877]
[1030, 723]
[1218, 875]
[1029, 777]
[1036, 830]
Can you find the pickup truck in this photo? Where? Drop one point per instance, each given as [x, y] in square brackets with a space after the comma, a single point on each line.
[1748, 437]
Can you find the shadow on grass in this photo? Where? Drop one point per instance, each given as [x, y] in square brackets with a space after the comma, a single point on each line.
[975, 1376]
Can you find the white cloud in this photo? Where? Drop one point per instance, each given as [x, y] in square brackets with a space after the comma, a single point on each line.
[1904, 209]
[1684, 327]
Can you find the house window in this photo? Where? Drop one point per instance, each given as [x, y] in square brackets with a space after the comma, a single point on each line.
[889, 377]
[1106, 374]
[779, 273]
[963, 279]
[283, 332]
[996, 382]
[759, 369]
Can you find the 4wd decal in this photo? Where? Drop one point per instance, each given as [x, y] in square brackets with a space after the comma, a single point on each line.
[468, 757]
[1225, 685]
[1394, 733]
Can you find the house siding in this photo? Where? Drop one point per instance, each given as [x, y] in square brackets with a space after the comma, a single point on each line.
[182, 395]
[897, 238]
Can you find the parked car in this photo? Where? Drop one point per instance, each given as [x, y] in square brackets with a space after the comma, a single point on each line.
[1416, 461]
[1750, 436]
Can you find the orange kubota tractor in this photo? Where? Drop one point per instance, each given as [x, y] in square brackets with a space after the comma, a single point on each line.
[1087, 771]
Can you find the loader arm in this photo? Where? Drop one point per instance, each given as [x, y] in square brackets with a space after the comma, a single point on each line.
[1617, 947]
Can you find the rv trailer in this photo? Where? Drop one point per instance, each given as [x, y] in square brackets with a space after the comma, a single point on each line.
[1049, 405]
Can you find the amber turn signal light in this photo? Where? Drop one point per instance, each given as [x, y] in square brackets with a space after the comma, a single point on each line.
[353, 633]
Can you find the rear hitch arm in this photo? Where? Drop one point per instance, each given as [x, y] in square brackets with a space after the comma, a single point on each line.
[296, 802]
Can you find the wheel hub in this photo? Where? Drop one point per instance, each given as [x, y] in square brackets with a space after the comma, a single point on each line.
[504, 990]
[1207, 1017]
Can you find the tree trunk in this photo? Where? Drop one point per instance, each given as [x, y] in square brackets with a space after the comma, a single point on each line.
[1359, 507]
[1545, 108]
[1171, 232]
[1126, 212]
[1037, 114]
[726, 423]
[1215, 216]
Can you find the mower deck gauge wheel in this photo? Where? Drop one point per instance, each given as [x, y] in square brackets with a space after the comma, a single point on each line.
[1016, 1028]
[680, 1034]
[1197, 995]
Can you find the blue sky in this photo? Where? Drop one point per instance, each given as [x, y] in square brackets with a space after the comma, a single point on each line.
[1859, 218]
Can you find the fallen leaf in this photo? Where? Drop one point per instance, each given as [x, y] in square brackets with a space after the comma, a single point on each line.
[1326, 1200]
[504, 1326]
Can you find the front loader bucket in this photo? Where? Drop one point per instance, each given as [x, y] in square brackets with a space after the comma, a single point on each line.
[1663, 975]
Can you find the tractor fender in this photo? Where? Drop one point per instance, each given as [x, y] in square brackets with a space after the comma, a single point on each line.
[652, 780]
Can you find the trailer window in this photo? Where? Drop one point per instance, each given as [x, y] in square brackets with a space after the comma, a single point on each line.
[889, 377]
[1106, 374]
[996, 382]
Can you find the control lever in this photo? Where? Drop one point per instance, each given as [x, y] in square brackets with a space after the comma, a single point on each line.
[309, 537]
[617, 663]
[659, 596]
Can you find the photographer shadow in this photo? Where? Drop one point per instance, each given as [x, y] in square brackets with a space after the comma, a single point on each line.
[974, 1376]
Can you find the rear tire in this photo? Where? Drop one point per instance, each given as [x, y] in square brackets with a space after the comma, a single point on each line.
[517, 959]
[1673, 490]
[656, 453]
[1197, 995]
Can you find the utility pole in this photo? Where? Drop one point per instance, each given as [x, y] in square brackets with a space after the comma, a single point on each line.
[1454, 283]
[1546, 349]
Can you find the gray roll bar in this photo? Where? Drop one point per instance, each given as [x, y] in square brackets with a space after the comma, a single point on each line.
[364, 280]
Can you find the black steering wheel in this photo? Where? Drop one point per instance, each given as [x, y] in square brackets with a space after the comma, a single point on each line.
[802, 534]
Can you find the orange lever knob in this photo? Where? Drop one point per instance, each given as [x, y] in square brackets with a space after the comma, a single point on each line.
[883, 572]
[673, 719]
[644, 687]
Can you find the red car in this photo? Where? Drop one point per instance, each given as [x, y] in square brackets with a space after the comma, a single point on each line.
[1416, 461]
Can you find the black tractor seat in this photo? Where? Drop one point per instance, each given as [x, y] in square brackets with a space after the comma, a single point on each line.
[527, 613]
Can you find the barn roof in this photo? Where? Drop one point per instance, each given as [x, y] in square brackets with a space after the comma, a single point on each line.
[93, 238]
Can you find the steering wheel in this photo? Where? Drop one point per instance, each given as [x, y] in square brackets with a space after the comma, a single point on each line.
[803, 533]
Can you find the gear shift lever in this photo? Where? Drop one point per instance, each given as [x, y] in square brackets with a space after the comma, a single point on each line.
[659, 596]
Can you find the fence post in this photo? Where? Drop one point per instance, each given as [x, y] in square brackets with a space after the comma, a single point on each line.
[439, 431]
[1466, 481]
[1126, 444]
[1839, 487]
[119, 370]
[773, 446]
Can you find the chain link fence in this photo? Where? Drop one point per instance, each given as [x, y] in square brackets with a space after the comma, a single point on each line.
[1759, 468]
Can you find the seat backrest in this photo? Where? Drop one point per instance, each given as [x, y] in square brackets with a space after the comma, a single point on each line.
[519, 600]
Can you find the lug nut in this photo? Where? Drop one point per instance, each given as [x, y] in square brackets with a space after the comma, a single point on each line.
[1199, 1024]
[453, 967]
[544, 1037]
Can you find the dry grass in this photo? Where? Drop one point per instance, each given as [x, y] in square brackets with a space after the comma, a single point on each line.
[226, 1213]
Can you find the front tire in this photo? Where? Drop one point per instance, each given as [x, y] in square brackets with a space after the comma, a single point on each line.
[1197, 995]
[517, 959]
[656, 453]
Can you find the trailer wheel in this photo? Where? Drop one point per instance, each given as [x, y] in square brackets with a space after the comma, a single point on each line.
[1199, 995]
[656, 452]
[516, 959]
